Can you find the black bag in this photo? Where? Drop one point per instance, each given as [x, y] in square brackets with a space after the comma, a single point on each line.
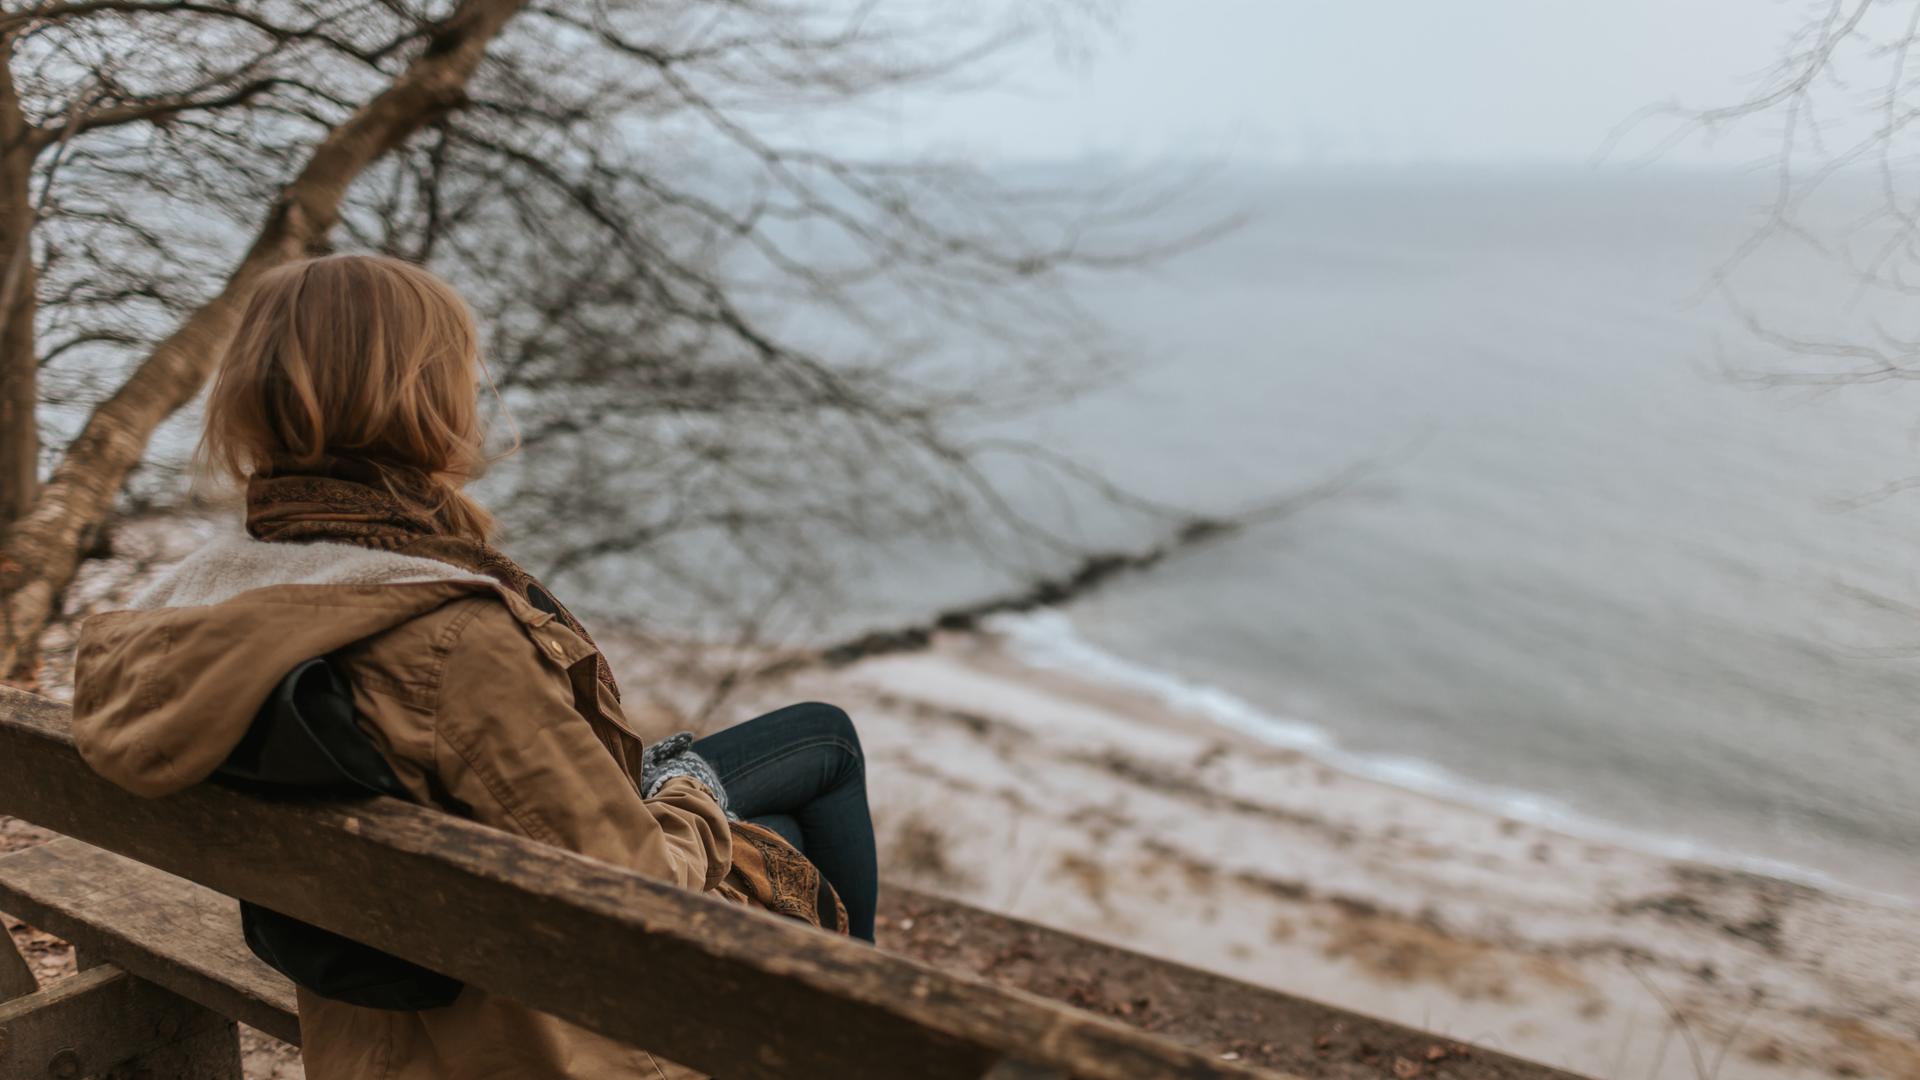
[304, 744]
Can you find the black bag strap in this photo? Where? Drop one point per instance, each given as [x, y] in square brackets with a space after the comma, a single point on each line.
[304, 741]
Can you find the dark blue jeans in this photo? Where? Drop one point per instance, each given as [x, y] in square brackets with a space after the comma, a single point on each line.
[799, 772]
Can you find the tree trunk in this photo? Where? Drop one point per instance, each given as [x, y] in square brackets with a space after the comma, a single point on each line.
[41, 551]
[19, 363]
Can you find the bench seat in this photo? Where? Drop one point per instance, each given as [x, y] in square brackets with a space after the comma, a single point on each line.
[161, 928]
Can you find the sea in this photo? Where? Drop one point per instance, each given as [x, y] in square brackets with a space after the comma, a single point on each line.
[1606, 550]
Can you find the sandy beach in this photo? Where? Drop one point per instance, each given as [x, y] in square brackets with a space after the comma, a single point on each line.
[1100, 811]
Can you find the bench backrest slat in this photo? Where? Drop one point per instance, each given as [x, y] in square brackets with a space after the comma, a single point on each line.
[727, 990]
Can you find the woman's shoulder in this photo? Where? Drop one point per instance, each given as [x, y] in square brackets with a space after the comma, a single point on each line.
[479, 636]
[430, 638]
[411, 659]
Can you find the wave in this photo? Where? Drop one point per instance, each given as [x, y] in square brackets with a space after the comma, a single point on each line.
[1048, 640]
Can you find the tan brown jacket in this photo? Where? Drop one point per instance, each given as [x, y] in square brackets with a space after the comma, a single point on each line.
[483, 704]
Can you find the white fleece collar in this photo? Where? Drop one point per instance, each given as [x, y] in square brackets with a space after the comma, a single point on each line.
[237, 563]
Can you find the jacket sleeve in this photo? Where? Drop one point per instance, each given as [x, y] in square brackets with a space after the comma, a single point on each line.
[510, 747]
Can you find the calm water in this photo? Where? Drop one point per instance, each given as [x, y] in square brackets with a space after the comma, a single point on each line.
[1600, 582]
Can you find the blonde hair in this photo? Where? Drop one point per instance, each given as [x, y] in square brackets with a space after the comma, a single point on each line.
[356, 356]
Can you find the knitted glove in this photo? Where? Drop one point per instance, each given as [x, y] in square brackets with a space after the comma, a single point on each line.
[657, 753]
[671, 757]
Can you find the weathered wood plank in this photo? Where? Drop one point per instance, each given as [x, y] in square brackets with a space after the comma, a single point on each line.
[729, 991]
[90, 1023]
[1011, 1069]
[16, 978]
[1268, 1028]
[151, 924]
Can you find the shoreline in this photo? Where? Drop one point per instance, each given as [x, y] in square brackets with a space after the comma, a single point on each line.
[1101, 810]
[1045, 642]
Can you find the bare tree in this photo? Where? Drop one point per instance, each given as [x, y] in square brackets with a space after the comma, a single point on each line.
[78, 75]
[1840, 104]
[722, 337]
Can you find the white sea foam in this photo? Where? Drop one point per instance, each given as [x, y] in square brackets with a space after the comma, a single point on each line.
[1048, 640]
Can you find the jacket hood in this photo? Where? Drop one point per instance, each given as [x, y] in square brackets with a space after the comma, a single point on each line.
[163, 691]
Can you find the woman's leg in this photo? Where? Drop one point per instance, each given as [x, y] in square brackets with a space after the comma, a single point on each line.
[785, 825]
[803, 763]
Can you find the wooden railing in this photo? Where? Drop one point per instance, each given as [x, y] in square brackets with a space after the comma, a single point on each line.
[727, 990]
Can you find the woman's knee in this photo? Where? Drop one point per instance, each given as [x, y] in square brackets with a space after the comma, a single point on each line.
[817, 719]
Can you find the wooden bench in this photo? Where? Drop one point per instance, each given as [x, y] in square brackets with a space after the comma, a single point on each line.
[558, 931]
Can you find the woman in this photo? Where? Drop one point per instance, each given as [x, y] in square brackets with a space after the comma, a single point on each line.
[348, 404]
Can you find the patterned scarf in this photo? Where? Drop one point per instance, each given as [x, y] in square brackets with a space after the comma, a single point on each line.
[350, 501]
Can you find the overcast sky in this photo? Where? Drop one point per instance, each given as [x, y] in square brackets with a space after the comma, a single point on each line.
[1387, 81]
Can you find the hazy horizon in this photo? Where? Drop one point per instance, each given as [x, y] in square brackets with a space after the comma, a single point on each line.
[1316, 83]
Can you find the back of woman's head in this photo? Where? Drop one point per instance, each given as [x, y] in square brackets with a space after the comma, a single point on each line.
[355, 356]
